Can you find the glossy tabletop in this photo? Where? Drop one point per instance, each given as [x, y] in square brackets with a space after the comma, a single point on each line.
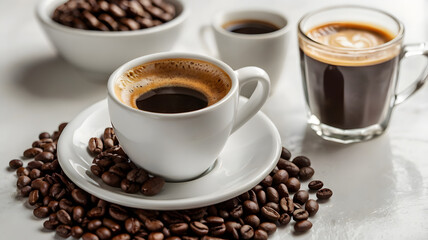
[380, 187]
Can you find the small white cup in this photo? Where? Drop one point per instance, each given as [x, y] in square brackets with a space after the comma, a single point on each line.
[238, 50]
[181, 146]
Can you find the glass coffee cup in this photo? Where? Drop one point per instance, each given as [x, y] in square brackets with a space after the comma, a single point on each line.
[349, 58]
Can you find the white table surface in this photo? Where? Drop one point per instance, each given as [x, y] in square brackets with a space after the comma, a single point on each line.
[380, 187]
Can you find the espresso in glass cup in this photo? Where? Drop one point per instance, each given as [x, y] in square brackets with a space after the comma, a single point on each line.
[349, 58]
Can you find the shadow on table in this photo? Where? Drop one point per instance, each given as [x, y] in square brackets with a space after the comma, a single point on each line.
[55, 78]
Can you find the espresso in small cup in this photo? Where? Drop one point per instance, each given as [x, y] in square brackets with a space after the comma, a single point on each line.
[173, 112]
[250, 26]
[172, 86]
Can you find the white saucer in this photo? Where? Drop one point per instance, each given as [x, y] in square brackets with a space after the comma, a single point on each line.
[249, 155]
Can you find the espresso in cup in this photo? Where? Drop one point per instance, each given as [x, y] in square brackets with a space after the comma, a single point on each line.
[349, 57]
[350, 94]
[172, 86]
[250, 26]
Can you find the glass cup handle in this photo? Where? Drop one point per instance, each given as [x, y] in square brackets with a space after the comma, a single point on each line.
[257, 99]
[411, 50]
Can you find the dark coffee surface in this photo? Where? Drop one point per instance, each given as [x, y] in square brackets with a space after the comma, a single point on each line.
[171, 100]
[348, 97]
[250, 27]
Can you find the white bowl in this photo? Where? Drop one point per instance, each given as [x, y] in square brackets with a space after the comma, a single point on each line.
[103, 52]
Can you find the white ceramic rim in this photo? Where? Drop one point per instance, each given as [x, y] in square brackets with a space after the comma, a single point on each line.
[172, 55]
[217, 24]
[159, 204]
[45, 17]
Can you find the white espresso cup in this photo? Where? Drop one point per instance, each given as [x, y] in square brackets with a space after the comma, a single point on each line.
[182, 146]
[266, 50]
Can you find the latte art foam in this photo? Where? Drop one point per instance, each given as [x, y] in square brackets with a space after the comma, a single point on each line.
[354, 36]
[347, 36]
[201, 76]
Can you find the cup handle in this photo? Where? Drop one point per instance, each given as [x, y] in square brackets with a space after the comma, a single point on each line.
[204, 32]
[411, 50]
[257, 99]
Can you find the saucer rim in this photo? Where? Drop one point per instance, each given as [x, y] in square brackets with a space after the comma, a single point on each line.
[64, 153]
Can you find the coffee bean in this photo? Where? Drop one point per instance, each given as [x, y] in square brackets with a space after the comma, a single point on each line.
[89, 236]
[312, 207]
[33, 197]
[153, 225]
[78, 214]
[269, 213]
[23, 181]
[34, 164]
[251, 207]
[268, 227]
[247, 232]
[282, 190]
[199, 228]
[281, 176]
[32, 152]
[25, 191]
[287, 205]
[63, 231]
[45, 157]
[300, 214]
[293, 184]
[56, 191]
[103, 233]
[22, 171]
[324, 193]
[285, 154]
[237, 212]
[179, 228]
[259, 234]
[233, 229]
[96, 170]
[94, 225]
[132, 225]
[76, 232]
[35, 173]
[272, 195]
[111, 224]
[80, 196]
[290, 167]
[41, 185]
[49, 147]
[273, 205]
[118, 213]
[95, 145]
[302, 161]
[267, 181]
[284, 219]
[41, 212]
[111, 179]
[63, 217]
[301, 196]
[152, 186]
[66, 205]
[44, 135]
[129, 187]
[15, 163]
[302, 226]
[218, 230]
[315, 185]
[156, 236]
[252, 220]
[261, 197]
[306, 173]
[108, 143]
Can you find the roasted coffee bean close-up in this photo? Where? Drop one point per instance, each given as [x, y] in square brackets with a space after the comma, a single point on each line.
[113, 15]
[70, 211]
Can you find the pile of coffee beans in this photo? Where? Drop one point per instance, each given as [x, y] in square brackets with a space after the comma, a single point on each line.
[255, 214]
[114, 167]
[113, 15]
